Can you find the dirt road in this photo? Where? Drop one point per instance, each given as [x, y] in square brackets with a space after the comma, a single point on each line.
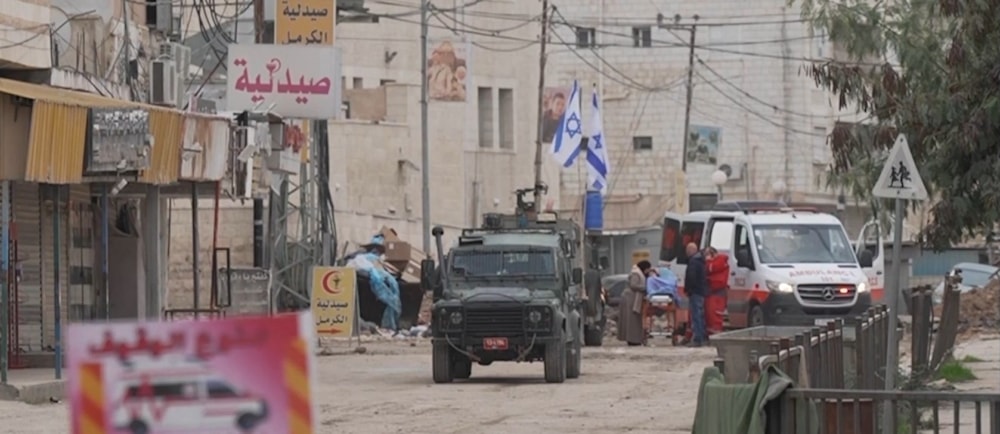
[389, 390]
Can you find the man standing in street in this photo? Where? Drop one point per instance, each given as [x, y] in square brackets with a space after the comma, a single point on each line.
[696, 287]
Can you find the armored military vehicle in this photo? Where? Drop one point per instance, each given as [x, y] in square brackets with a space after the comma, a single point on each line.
[507, 292]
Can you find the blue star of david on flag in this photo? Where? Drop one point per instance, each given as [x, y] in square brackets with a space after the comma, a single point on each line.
[569, 132]
[573, 126]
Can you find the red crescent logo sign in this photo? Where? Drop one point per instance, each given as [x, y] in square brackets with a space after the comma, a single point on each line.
[328, 282]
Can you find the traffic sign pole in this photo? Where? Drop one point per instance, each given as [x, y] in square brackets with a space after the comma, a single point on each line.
[900, 180]
[892, 299]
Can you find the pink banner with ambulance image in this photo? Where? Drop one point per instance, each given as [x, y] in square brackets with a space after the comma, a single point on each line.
[240, 375]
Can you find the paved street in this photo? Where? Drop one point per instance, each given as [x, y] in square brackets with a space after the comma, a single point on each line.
[389, 390]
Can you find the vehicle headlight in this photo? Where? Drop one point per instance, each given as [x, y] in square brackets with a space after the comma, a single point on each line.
[863, 287]
[535, 317]
[539, 317]
[455, 318]
[779, 286]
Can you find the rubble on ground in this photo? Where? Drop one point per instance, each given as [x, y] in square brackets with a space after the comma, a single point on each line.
[979, 310]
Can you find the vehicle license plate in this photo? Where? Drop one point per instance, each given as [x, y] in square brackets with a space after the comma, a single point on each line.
[495, 343]
[823, 321]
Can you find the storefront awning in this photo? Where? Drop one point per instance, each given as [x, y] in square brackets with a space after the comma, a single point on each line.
[58, 131]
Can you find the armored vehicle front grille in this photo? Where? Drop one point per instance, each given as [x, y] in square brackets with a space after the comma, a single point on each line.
[494, 321]
[827, 294]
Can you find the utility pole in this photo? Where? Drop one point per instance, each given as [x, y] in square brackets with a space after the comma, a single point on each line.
[258, 202]
[687, 103]
[425, 150]
[541, 110]
[690, 80]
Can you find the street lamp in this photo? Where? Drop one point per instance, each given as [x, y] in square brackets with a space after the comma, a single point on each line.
[719, 178]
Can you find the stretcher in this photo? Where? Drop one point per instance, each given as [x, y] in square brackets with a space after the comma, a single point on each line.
[676, 316]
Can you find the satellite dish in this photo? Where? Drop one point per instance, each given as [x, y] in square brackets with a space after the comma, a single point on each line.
[727, 169]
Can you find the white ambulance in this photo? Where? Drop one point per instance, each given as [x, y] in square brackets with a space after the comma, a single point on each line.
[182, 399]
[787, 266]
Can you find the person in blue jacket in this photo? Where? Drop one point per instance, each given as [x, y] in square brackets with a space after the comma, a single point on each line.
[696, 287]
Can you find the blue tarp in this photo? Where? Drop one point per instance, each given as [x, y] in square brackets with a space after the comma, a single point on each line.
[664, 284]
[384, 286]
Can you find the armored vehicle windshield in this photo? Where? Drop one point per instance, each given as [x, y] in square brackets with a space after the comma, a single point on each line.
[504, 261]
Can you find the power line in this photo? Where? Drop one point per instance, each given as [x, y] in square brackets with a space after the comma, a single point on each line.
[739, 89]
[765, 118]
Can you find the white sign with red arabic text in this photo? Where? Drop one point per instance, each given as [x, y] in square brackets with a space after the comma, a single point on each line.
[292, 81]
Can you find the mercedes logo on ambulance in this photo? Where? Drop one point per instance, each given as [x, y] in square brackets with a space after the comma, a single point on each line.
[828, 294]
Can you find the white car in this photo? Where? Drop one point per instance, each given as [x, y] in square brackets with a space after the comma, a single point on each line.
[973, 276]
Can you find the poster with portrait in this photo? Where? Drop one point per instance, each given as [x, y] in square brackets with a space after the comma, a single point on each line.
[448, 69]
[703, 144]
[554, 101]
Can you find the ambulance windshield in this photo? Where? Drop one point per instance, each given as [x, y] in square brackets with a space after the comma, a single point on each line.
[803, 244]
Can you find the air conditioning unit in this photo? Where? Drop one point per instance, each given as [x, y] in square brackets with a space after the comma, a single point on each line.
[163, 82]
[182, 58]
[734, 172]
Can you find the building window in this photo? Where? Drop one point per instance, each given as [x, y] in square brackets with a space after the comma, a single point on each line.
[385, 82]
[359, 83]
[642, 143]
[586, 37]
[485, 117]
[505, 102]
[642, 37]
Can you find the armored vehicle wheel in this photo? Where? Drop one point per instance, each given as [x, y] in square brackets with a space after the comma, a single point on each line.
[555, 361]
[462, 368]
[593, 335]
[574, 357]
[442, 363]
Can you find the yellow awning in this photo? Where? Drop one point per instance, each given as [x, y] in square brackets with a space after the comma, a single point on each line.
[57, 140]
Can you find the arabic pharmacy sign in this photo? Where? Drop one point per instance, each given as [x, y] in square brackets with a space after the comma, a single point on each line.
[250, 373]
[299, 81]
[308, 22]
[334, 300]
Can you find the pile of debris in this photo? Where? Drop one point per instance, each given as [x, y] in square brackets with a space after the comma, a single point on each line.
[980, 310]
[389, 291]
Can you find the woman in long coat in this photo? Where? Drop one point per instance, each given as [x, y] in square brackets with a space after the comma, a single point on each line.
[630, 327]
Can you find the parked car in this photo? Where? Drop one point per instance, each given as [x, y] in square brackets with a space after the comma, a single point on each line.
[614, 285]
[973, 276]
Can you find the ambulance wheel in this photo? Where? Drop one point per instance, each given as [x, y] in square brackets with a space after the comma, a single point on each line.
[247, 421]
[756, 316]
[138, 427]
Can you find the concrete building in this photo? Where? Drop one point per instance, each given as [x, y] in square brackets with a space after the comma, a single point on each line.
[75, 248]
[753, 107]
[482, 148]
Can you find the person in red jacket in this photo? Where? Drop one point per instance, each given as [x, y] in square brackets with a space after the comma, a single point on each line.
[718, 283]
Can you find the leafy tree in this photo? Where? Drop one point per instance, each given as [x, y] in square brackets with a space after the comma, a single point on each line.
[931, 70]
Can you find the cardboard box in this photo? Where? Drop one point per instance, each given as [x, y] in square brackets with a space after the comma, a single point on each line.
[398, 251]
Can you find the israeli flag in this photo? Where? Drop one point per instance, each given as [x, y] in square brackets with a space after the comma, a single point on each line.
[569, 133]
[598, 164]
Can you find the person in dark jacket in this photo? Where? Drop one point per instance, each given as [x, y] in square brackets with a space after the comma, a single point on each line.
[696, 287]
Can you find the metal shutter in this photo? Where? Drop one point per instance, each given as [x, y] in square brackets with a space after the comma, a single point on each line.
[26, 216]
[48, 265]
